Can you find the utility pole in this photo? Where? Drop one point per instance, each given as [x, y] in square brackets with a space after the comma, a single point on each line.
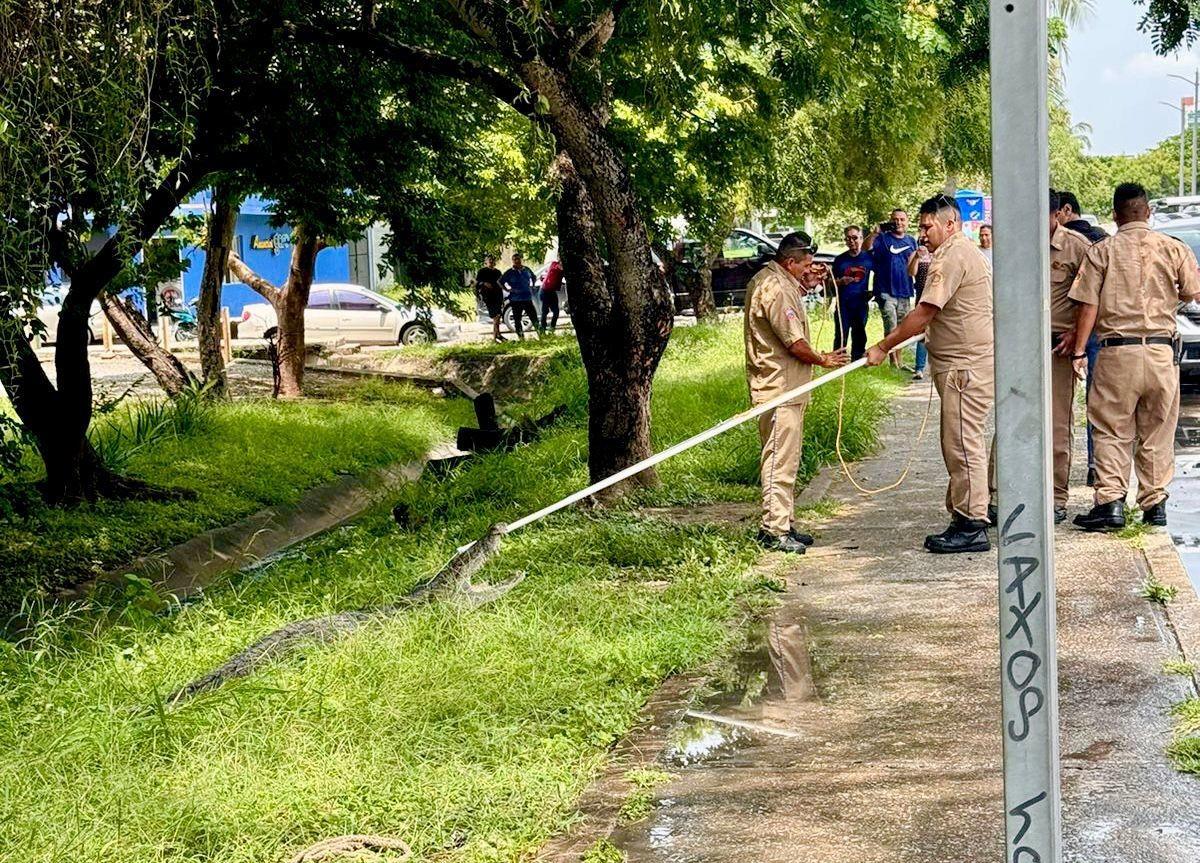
[1195, 82]
[1182, 108]
[1028, 650]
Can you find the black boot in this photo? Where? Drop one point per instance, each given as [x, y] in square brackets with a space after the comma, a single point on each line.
[1060, 514]
[1104, 516]
[993, 515]
[963, 535]
[802, 538]
[1157, 514]
[780, 543]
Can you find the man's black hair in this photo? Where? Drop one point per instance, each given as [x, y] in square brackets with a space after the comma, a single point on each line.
[1127, 194]
[1068, 199]
[795, 245]
[1055, 201]
[938, 203]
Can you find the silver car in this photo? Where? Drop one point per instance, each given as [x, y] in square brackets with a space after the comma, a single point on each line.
[354, 314]
[51, 307]
[1187, 318]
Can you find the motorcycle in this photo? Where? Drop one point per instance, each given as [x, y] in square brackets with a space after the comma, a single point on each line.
[184, 328]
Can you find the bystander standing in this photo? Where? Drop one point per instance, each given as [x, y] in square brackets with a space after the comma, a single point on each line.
[519, 279]
[550, 287]
[488, 290]
[851, 273]
[891, 247]
[985, 242]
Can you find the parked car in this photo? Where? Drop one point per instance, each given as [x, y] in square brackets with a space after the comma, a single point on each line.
[1187, 319]
[743, 254]
[355, 314]
[1174, 210]
[51, 306]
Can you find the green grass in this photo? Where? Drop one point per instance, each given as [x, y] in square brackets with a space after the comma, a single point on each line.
[1179, 666]
[238, 458]
[1184, 749]
[1157, 592]
[469, 735]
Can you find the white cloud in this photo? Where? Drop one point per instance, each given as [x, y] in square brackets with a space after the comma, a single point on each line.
[1148, 65]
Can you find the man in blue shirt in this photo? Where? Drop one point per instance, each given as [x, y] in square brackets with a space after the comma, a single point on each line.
[891, 247]
[851, 272]
[518, 281]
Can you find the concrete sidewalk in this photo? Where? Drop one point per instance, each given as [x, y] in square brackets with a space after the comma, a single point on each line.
[866, 727]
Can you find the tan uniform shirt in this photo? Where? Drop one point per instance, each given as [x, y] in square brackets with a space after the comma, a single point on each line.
[774, 319]
[1067, 250]
[960, 285]
[1136, 278]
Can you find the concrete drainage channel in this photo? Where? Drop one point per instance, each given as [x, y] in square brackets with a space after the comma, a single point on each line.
[188, 568]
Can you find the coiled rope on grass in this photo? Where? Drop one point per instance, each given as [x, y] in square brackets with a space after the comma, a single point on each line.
[354, 847]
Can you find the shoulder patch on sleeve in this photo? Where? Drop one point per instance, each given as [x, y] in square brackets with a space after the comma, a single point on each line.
[790, 313]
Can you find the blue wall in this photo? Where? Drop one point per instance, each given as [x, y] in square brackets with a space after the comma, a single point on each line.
[270, 260]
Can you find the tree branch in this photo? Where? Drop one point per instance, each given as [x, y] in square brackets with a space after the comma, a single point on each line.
[251, 279]
[420, 59]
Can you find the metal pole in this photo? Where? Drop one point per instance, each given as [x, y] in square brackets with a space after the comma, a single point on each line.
[1195, 108]
[1028, 664]
[1182, 136]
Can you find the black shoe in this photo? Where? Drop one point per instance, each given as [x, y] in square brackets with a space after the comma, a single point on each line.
[1157, 514]
[1091, 477]
[781, 543]
[802, 538]
[1060, 514]
[993, 516]
[1105, 516]
[963, 535]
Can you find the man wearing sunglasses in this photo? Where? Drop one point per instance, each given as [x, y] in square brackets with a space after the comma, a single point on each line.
[955, 313]
[779, 358]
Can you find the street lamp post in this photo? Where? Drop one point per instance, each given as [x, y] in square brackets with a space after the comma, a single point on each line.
[1195, 82]
[1182, 108]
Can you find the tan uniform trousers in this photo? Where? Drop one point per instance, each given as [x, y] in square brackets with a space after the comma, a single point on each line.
[782, 434]
[1134, 400]
[967, 396]
[1062, 418]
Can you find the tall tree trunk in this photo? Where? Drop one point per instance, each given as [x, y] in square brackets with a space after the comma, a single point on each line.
[289, 312]
[218, 245]
[170, 372]
[619, 372]
[625, 315]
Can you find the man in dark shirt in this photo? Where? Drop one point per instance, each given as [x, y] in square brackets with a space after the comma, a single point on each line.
[851, 272]
[487, 289]
[518, 280]
[891, 247]
[1069, 217]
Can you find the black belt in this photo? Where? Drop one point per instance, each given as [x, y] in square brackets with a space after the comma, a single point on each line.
[1121, 341]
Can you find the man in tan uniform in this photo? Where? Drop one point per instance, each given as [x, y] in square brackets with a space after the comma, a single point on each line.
[1129, 286]
[1067, 251]
[955, 313]
[779, 357]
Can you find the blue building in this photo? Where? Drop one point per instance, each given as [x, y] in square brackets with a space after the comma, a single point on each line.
[267, 251]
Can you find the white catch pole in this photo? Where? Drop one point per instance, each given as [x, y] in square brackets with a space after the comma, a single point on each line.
[682, 446]
[1028, 663]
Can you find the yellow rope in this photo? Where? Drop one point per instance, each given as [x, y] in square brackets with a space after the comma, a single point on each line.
[837, 444]
[353, 847]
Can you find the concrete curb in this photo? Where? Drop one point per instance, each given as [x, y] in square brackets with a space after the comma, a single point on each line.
[1182, 612]
[599, 806]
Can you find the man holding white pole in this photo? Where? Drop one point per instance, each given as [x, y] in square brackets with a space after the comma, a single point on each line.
[956, 309]
[779, 358]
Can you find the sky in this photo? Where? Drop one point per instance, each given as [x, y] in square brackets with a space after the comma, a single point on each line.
[1115, 81]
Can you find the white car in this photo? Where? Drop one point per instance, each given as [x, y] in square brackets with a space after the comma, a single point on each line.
[354, 314]
[50, 308]
[1187, 318]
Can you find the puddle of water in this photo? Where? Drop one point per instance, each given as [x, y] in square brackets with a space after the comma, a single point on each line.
[774, 667]
[695, 740]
